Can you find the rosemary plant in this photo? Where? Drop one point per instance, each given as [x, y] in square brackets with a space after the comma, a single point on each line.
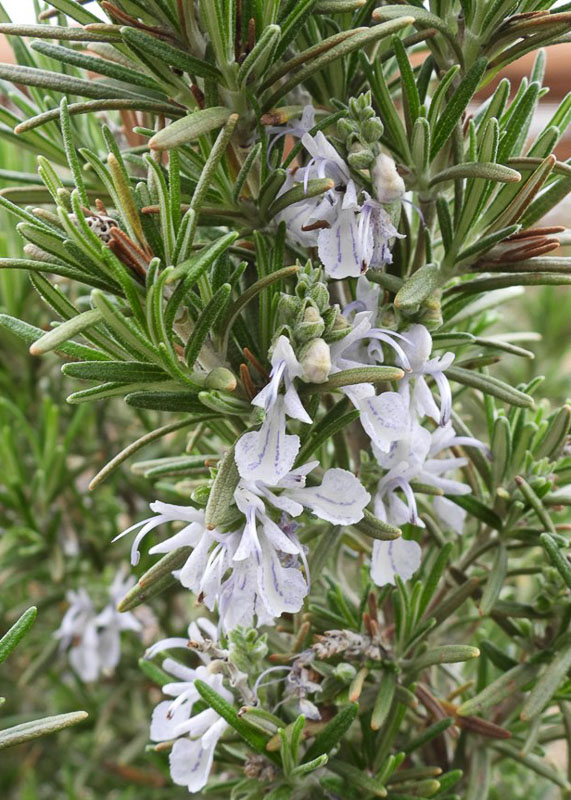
[277, 239]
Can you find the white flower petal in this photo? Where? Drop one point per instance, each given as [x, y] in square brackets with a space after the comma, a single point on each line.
[237, 599]
[341, 499]
[197, 725]
[385, 417]
[192, 572]
[190, 764]
[109, 647]
[268, 454]
[423, 401]
[189, 536]
[398, 557]
[449, 514]
[338, 247]
[277, 537]
[281, 589]
[164, 721]
[171, 643]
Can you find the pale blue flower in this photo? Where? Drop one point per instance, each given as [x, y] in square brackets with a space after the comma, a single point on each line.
[351, 230]
[195, 735]
[417, 346]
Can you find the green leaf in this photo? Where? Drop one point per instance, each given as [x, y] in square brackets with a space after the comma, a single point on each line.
[189, 272]
[538, 764]
[333, 732]
[489, 385]
[477, 169]
[39, 727]
[418, 287]
[166, 401]
[189, 128]
[495, 580]
[132, 448]
[358, 778]
[349, 377]
[309, 766]
[480, 285]
[59, 82]
[63, 33]
[497, 656]
[259, 56]
[65, 331]
[205, 323]
[434, 730]
[360, 38]
[300, 192]
[534, 501]
[128, 334]
[486, 243]
[409, 88]
[477, 509]
[456, 106]
[166, 53]
[96, 64]
[95, 106]
[445, 654]
[557, 558]
[501, 448]
[155, 580]
[376, 528]
[70, 150]
[424, 19]
[250, 293]
[30, 334]
[220, 506]
[555, 434]
[384, 699]
[153, 672]
[326, 428]
[75, 10]
[499, 690]
[548, 683]
[430, 583]
[17, 632]
[252, 736]
[126, 371]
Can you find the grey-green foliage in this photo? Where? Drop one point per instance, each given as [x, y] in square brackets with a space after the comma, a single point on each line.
[150, 236]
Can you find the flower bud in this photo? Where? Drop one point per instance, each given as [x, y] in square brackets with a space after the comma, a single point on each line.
[387, 183]
[319, 293]
[288, 308]
[336, 326]
[310, 327]
[345, 127]
[311, 314]
[360, 158]
[200, 495]
[345, 672]
[372, 130]
[221, 378]
[315, 362]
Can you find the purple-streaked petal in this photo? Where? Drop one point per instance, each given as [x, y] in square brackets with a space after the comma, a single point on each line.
[269, 453]
[341, 498]
[398, 557]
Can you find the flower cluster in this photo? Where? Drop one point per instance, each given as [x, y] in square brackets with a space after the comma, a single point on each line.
[93, 640]
[194, 735]
[396, 422]
[255, 572]
[351, 229]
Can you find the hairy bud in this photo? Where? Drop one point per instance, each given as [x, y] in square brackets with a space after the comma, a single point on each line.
[387, 183]
[316, 362]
